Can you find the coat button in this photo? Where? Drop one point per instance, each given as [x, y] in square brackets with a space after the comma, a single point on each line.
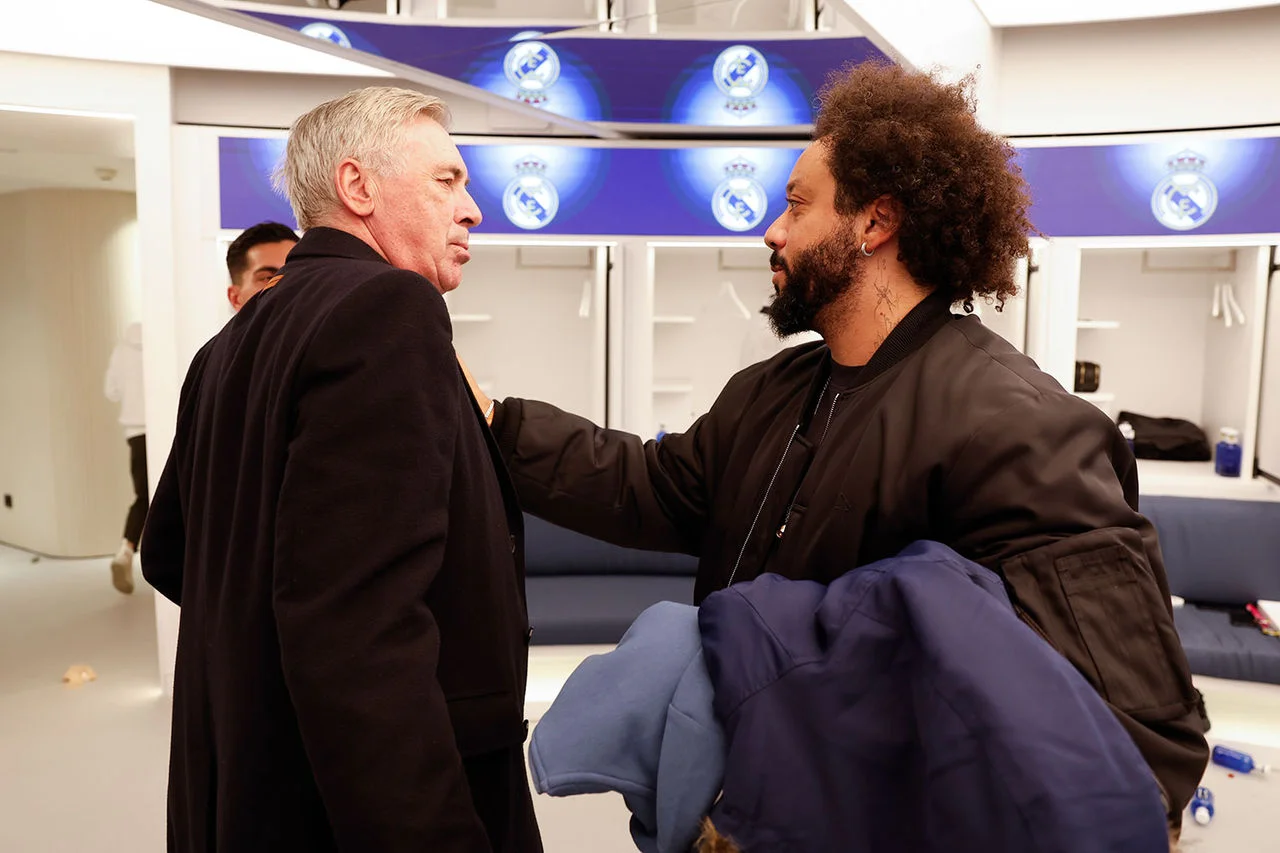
[513, 543]
[528, 636]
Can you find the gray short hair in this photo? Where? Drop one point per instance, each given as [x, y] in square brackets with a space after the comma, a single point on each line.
[366, 125]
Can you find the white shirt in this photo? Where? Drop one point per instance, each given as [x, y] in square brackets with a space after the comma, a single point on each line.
[123, 383]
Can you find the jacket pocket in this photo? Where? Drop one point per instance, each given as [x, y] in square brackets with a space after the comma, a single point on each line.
[1094, 599]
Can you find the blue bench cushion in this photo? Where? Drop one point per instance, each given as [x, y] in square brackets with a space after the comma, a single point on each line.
[1219, 551]
[1219, 649]
[579, 610]
[552, 550]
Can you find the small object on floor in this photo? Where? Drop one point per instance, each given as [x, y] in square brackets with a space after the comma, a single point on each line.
[1177, 601]
[122, 569]
[1202, 806]
[79, 674]
[1238, 761]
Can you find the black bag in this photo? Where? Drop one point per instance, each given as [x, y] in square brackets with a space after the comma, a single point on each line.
[1167, 438]
[1088, 377]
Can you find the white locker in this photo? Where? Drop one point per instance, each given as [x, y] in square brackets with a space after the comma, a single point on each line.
[1176, 326]
[530, 321]
[1267, 448]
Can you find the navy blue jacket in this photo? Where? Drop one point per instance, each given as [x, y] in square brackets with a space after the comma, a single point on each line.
[906, 708]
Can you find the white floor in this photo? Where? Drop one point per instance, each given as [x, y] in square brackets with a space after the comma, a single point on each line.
[82, 769]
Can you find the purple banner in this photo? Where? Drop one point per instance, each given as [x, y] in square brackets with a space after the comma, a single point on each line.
[1204, 185]
[673, 81]
[558, 189]
[1192, 184]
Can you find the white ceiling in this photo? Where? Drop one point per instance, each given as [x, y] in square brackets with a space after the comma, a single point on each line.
[149, 33]
[1029, 13]
[42, 150]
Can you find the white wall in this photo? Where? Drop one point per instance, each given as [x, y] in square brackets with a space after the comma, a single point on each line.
[143, 93]
[1200, 71]
[952, 36]
[68, 287]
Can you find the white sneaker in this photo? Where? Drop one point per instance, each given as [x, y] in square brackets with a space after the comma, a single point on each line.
[122, 569]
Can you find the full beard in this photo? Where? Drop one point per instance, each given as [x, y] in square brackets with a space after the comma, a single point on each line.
[817, 279]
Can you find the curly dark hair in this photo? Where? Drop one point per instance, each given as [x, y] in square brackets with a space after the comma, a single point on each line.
[905, 134]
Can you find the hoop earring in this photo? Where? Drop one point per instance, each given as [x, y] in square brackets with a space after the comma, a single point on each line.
[864, 251]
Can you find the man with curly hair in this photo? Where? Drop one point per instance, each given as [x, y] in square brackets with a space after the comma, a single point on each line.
[909, 421]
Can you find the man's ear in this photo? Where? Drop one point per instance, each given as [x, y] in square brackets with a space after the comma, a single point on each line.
[355, 187]
[233, 296]
[884, 218]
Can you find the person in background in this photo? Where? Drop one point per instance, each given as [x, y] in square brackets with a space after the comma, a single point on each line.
[254, 258]
[338, 528]
[907, 422]
[123, 385]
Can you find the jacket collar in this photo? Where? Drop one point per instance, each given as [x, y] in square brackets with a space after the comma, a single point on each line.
[913, 332]
[324, 242]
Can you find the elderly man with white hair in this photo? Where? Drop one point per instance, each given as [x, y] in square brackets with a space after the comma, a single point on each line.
[340, 532]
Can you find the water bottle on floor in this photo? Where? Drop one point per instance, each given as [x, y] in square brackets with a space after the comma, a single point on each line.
[1238, 761]
[1202, 806]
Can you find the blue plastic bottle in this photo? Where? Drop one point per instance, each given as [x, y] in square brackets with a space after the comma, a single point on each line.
[1202, 806]
[1237, 761]
[662, 432]
[1228, 455]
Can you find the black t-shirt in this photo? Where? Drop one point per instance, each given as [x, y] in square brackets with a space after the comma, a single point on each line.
[842, 380]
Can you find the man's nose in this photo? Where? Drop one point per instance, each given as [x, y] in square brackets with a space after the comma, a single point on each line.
[469, 212]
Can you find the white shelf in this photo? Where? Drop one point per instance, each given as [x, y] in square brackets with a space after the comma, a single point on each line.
[1097, 324]
[471, 318]
[673, 319]
[1197, 480]
[672, 387]
[1102, 399]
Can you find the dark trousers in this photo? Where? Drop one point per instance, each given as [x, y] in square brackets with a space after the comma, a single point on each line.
[138, 512]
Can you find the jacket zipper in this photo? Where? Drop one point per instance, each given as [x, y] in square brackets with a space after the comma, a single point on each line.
[760, 509]
[830, 414]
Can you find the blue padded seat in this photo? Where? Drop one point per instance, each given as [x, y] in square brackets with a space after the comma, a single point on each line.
[587, 610]
[1218, 551]
[1219, 649]
[553, 550]
[582, 591]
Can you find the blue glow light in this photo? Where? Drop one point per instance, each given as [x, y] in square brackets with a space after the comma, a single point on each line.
[576, 93]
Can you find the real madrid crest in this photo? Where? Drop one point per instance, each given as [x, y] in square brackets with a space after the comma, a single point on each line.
[1186, 198]
[739, 202]
[533, 68]
[326, 31]
[741, 73]
[530, 201]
